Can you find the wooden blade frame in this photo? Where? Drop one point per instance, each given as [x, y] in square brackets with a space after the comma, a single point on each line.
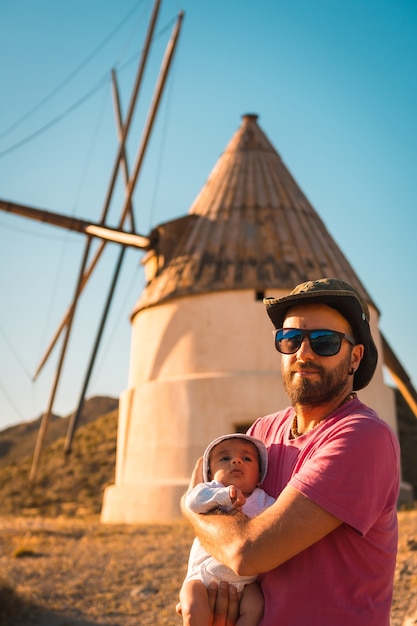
[164, 73]
[107, 233]
[126, 209]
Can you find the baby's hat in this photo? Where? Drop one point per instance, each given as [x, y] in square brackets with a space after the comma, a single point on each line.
[263, 454]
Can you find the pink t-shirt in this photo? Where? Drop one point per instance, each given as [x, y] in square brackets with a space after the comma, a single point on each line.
[349, 465]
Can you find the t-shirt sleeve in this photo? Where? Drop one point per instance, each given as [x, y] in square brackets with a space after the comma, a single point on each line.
[353, 474]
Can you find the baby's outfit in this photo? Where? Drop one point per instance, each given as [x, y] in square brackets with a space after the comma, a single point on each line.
[206, 497]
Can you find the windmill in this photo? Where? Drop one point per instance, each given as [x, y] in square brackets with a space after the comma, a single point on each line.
[202, 363]
[100, 229]
[200, 366]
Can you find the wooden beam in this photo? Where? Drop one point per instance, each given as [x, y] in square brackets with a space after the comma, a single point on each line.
[399, 375]
[115, 235]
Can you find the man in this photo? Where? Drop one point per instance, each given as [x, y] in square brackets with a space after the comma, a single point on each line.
[325, 552]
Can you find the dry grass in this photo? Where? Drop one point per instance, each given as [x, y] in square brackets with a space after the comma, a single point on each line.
[82, 572]
[61, 567]
[63, 572]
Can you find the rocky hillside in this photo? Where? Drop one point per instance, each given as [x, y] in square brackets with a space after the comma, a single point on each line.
[17, 442]
[64, 484]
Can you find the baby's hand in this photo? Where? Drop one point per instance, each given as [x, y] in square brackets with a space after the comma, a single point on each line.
[237, 497]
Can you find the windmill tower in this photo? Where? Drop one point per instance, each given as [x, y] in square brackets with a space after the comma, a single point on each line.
[202, 357]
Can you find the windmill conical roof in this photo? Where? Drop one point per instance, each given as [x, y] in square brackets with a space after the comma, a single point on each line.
[250, 227]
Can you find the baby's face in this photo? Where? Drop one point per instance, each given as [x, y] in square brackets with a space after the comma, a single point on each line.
[235, 462]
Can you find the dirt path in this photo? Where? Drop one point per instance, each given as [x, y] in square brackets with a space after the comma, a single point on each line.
[83, 573]
[60, 572]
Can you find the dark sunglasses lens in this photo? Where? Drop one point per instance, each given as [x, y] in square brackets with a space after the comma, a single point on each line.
[325, 343]
[322, 342]
[288, 341]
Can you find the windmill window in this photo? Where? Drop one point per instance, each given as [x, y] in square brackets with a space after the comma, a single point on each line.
[242, 428]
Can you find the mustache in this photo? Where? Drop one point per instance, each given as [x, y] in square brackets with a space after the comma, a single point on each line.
[306, 367]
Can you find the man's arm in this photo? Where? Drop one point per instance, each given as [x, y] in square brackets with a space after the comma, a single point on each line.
[253, 546]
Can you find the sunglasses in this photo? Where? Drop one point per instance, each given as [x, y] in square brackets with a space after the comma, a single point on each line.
[323, 342]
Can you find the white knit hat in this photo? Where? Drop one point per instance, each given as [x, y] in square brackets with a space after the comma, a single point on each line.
[263, 454]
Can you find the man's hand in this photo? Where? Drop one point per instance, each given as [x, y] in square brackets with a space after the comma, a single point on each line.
[224, 604]
[237, 497]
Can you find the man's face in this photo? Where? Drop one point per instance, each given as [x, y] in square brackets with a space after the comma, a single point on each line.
[310, 379]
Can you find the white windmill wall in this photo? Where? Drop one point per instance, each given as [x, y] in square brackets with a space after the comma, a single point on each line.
[377, 394]
[200, 366]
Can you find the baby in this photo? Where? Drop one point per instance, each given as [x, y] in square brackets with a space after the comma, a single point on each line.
[235, 465]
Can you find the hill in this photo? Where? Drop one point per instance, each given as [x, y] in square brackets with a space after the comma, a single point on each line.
[17, 442]
[65, 484]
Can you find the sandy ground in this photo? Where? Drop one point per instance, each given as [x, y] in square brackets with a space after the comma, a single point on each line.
[60, 572]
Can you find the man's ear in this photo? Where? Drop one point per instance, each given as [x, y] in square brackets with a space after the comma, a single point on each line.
[356, 355]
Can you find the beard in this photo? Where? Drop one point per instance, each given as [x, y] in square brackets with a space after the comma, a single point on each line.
[315, 393]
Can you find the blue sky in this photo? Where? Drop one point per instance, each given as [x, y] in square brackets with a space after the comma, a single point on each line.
[334, 84]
